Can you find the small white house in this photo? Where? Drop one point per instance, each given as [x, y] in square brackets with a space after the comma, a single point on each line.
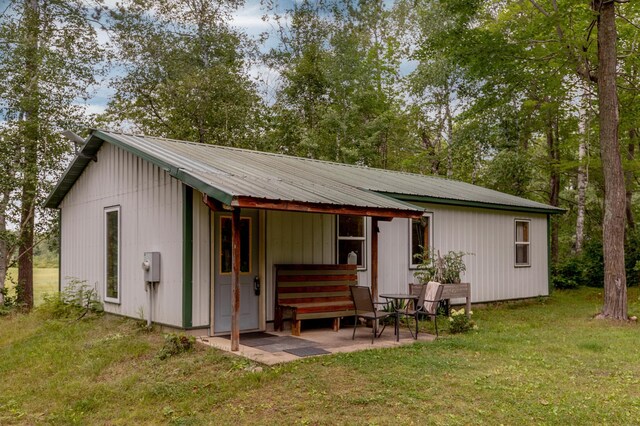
[126, 195]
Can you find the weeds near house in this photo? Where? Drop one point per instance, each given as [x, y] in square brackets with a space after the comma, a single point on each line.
[175, 344]
[74, 302]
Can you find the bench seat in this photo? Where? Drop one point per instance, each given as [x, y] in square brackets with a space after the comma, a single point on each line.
[313, 292]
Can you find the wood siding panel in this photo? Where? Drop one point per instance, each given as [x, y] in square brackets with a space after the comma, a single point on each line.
[151, 220]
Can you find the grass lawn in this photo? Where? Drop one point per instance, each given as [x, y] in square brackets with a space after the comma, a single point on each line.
[542, 361]
[45, 281]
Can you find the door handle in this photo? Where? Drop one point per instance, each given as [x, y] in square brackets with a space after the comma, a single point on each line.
[256, 285]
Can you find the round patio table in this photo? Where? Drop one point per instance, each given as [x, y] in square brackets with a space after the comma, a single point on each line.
[395, 299]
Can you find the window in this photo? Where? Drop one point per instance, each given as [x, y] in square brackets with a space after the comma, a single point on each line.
[522, 243]
[112, 254]
[226, 236]
[420, 238]
[352, 238]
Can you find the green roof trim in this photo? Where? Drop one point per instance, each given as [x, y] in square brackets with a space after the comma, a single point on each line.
[477, 204]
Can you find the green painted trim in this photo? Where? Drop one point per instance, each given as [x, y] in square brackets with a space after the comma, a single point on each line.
[465, 203]
[549, 253]
[187, 256]
[59, 251]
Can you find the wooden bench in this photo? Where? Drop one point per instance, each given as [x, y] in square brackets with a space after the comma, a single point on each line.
[313, 291]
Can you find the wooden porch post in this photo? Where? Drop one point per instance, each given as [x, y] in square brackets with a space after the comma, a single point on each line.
[235, 279]
[374, 258]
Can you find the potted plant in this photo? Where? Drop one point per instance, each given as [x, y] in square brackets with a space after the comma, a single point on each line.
[446, 269]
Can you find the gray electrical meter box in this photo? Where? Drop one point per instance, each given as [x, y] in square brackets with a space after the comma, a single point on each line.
[151, 266]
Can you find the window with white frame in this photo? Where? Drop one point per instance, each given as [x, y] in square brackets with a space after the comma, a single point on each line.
[112, 254]
[420, 238]
[352, 240]
[523, 243]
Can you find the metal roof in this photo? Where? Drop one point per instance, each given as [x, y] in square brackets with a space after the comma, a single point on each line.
[226, 173]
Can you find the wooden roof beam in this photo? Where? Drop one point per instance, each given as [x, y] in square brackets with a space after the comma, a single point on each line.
[296, 206]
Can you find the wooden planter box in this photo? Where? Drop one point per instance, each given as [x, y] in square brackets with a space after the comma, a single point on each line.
[458, 291]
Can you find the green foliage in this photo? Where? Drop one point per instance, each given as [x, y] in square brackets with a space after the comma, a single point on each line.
[443, 269]
[459, 323]
[185, 73]
[567, 274]
[76, 301]
[8, 302]
[175, 344]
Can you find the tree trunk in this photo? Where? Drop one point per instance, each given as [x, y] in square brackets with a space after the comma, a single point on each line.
[631, 154]
[583, 166]
[554, 181]
[30, 108]
[449, 123]
[615, 280]
[3, 251]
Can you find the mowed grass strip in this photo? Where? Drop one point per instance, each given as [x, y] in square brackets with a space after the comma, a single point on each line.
[542, 361]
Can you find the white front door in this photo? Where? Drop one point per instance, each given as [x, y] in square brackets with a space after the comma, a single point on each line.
[249, 296]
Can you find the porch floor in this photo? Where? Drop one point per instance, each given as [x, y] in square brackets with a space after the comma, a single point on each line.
[272, 348]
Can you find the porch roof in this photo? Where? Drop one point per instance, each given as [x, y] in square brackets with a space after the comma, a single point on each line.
[245, 178]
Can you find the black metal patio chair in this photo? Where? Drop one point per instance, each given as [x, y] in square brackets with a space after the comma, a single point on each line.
[427, 305]
[365, 308]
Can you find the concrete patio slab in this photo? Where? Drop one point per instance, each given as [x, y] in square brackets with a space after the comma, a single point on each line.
[273, 351]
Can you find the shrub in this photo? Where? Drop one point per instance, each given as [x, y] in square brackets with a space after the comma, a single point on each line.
[75, 301]
[175, 344]
[459, 323]
[567, 274]
[8, 304]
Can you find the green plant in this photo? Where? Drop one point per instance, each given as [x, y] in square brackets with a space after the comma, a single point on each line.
[567, 274]
[75, 301]
[175, 344]
[8, 304]
[459, 323]
[443, 269]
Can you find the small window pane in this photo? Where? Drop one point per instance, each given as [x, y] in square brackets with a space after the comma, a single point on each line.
[347, 246]
[226, 241]
[522, 232]
[112, 254]
[420, 238]
[351, 226]
[522, 254]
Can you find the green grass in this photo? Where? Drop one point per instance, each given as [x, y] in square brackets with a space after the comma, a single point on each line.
[45, 281]
[543, 362]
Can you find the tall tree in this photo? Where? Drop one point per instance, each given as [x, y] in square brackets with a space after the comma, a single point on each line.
[50, 57]
[339, 63]
[615, 280]
[185, 72]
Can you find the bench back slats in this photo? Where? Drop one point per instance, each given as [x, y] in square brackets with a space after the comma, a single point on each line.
[315, 289]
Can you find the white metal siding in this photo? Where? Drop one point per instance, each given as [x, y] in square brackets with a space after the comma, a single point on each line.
[151, 220]
[488, 234]
[296, 238]
[201, 261]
